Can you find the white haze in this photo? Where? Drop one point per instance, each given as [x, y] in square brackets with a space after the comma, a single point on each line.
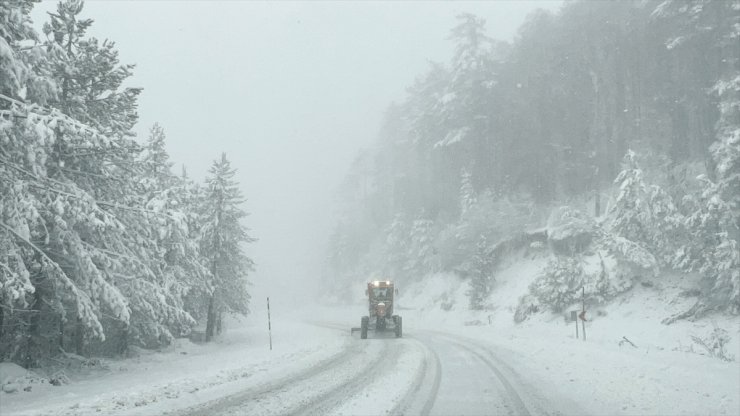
[289, 90]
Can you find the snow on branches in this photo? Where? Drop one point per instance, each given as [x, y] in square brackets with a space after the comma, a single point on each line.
[99, 240]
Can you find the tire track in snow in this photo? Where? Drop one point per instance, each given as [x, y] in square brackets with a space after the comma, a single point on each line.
[536, 401]
[533, 400]
[329, 400]
[512, 393]
[248, 395]
[435, 389]
[419, 390]
[417, 395]
[418, 398]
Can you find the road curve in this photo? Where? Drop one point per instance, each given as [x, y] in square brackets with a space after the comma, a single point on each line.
[282, 396]
[424, 373]
[473, 384]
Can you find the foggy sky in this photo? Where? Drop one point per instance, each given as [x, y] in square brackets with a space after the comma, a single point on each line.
[290, 91]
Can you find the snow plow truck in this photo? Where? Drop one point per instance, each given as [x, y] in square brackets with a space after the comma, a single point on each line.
[380, 318]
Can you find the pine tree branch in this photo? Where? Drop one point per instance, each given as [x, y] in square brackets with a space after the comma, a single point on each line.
[105, 203]
[121, 256]
[93, 175]
[29, 243]
[95, 153]
[46, 113]
[6, 267]
[13, 310]
[81, 297]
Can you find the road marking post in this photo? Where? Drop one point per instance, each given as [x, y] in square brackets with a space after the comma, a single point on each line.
[583, 312]
[574, 318]
[269, 325]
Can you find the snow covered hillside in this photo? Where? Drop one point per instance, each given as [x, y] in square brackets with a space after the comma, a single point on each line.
[636, 315]
[630, 362]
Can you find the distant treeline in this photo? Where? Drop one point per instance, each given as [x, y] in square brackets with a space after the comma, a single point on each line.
[484, 144]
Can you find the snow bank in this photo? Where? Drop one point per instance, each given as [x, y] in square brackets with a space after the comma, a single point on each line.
[182, 375]
[14, 378]
[10, 372]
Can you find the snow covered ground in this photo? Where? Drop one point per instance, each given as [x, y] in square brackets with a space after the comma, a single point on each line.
[184, 374]
[450, 360]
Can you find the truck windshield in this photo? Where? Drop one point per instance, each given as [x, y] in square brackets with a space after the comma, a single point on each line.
[382, 292]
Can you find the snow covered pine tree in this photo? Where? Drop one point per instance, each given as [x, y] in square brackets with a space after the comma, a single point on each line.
[222, 237]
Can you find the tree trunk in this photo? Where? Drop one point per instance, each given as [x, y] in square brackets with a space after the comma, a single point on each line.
[210, 319]
[123, 345]
[33, 331]
[2, 322]
[78, 337]
[61, 334]
[679, 130]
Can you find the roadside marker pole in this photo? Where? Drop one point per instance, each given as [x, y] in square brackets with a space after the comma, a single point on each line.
[269, 325]
[583, 313]
[574, 318]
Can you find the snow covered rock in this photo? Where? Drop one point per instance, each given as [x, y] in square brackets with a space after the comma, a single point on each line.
[10, 387]
[9, 372]
[569, 230]
[14, 378]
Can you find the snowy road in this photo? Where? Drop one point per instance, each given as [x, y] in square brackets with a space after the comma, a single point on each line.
[472, 382]
[429, 373]
[437, 369]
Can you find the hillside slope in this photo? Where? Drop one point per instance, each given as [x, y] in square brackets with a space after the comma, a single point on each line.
[666, 371]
